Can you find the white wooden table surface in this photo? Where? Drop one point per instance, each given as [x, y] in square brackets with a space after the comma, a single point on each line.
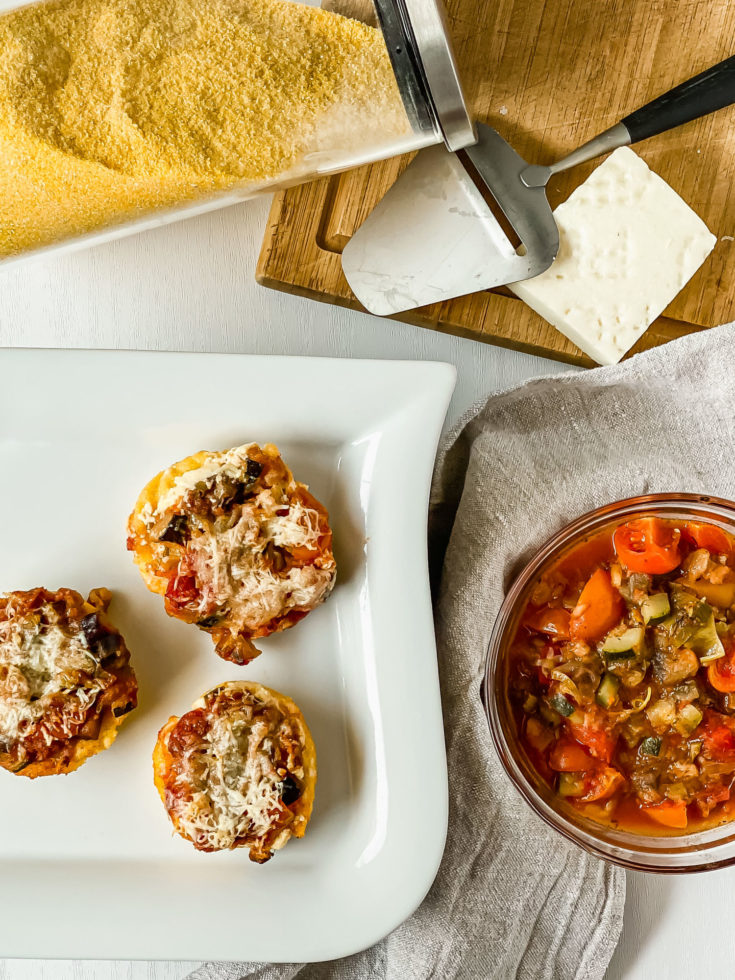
[190, 286]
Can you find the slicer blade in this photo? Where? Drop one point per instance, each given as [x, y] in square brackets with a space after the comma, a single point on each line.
[433, 237]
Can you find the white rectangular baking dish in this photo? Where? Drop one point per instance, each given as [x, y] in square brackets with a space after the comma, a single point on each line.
[89, 863]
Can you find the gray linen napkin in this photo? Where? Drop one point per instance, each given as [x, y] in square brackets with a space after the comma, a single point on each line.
[512, 899]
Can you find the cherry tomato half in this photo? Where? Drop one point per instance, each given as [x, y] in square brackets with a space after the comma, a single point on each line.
[718, 737]
[708, 536]
[569, 756]
[593, 733]
[648, 545]
[553, 622]
[721, 673]
[601, 784]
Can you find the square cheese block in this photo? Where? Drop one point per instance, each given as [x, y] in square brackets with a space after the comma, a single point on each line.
[628, 245]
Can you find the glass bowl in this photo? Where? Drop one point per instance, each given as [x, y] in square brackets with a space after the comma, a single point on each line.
[669, 854]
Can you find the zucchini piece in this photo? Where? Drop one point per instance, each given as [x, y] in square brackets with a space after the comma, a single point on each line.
[530, 704]
[705, 641]
[559, 703]
[655, 608]
[570, 785]
[625, 646]
[688, 719]
[686, 690]
[549, 715]
[722, 595]
[682, 600]
[607, 692]
[651, 745]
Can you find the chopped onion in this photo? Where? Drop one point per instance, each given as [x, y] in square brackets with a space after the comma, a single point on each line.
[712, 657]
[641, 705]
[566, 685]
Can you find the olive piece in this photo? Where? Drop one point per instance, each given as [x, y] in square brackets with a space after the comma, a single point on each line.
[209, 621]
[108, 645]
[234, 495]
[290, 790]
[119, 710]
[177, 531]
[99, 638]
[92, 629]
[253, 468]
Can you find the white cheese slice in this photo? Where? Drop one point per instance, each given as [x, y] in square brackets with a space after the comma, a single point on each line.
[628, 245]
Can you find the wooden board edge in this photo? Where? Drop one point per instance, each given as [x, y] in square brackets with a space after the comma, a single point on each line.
[273, 260]
[264, 279]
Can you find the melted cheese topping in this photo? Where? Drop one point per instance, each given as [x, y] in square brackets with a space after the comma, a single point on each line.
[237, 790]
[232, 572]
[37, 661]
[299, 528]
[230, 463]
[237, 574]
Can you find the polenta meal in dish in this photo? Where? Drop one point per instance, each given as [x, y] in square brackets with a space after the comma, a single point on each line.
[65, 680]
[237, 770]
[622, 676]
[111, 110]
[234, 545]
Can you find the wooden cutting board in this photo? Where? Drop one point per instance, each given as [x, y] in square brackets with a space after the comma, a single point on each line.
[548, 75]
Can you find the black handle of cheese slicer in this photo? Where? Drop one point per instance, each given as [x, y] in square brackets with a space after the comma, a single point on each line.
[707, 92]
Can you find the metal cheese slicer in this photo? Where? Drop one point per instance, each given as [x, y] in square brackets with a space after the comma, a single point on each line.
[433, 236]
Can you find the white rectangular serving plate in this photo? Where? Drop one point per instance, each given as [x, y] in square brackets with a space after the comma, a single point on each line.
[88, 861]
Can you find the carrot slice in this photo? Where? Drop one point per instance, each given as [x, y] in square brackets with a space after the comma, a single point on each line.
[668, 813]
[600, 607]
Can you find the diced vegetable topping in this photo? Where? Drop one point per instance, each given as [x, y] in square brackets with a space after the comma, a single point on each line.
[559, 703]
[624, 646]
[651, 745]
[668, 813]
[623, 675]
[721, 672]
[607, 692]
[570, 784]
[688, 719]
[655, 608]
[705, 641]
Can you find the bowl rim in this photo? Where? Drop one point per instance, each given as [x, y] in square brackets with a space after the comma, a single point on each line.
[619, 852]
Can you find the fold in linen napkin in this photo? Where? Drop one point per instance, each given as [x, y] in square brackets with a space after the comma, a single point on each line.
[512, 899]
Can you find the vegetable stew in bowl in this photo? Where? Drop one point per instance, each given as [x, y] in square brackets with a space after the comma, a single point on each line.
[613, 672]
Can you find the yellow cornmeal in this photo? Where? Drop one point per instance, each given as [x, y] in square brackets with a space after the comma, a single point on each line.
[110, 109]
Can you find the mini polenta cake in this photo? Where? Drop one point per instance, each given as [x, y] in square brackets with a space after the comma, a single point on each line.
[65, 680]
[237, 770]
[234, 545]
